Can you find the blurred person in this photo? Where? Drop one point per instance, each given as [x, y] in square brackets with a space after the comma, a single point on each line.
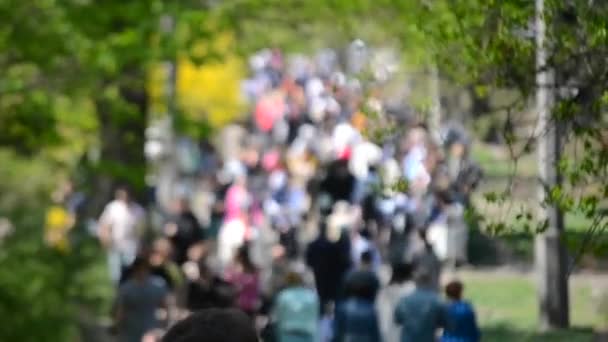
[420, 314]
[339, 182]
[283, 207]
[356, 318]
[296, 311]
[205, 289]
[424, 258]
[329, 258]
[276, 275]
[209, 158]
[245, 277]
[120, 229]
[216, 217]
[213, 325]
[399, 286]
[460, 321]
[361, 242]
[138, 301]
[363, 280]
[160, 265]
[234, 228]
[183, 230]
[401, 226]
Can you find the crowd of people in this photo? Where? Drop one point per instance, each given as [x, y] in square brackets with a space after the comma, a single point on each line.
[296, 217]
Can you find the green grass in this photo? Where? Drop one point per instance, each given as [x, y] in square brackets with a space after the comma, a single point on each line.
[506, 307]
[496, 162]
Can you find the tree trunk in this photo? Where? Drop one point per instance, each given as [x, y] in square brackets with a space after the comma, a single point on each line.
[122, 124]
[550, 253]
[434, 121]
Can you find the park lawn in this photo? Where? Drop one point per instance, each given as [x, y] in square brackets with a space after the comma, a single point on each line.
[497, 163]
[506, 307]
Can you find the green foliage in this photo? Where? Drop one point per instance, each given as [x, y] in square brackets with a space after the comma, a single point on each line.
[503, 319]
[43, 290]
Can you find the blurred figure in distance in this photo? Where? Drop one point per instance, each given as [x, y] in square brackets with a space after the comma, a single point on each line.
[120, 229]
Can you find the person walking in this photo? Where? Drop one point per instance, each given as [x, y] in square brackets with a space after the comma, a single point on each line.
[420, 314]
[234, 228]
[244, 276]
[138, 300]
[120, 229]
[363, 280]
[424, 258]
[460, 320]
[296, 311]
[399, 286]
[184, 231]
[355, 317]
[329, 258]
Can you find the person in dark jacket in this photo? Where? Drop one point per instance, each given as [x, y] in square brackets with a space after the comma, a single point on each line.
[362, 281]
[213, 325]
[339, 182]
[356, 318]
[184, 231]
[329, 258]
[208, 290]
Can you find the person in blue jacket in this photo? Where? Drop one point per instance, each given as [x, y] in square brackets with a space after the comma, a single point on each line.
[460, 322]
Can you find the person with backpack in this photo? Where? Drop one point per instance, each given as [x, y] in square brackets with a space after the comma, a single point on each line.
[296, 311]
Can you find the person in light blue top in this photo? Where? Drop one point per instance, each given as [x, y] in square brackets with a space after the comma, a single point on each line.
[460, 321]
[420, 314]
[296, 311]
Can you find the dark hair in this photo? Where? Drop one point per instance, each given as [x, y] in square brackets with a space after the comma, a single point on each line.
[367, 257]
[213, 325]
[245, 259]
[445, 196]
[140, 263]
[401, 272]
[453, 290]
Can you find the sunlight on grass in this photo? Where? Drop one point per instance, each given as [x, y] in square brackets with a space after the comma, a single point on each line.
[506, 306]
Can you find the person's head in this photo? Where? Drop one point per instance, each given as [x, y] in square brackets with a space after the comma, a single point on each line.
[213, 325]
[160, 252]
[244, 259]
[122, 194]
[181, 205]
[140, 267]
[458, 149]
[294, 278]
[444, 197]
[367, 259]
[423, 277]
[205, 272]
[453, 290]
[402, 272]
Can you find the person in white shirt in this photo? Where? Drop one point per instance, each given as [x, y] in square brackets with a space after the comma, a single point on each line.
[120, 228]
